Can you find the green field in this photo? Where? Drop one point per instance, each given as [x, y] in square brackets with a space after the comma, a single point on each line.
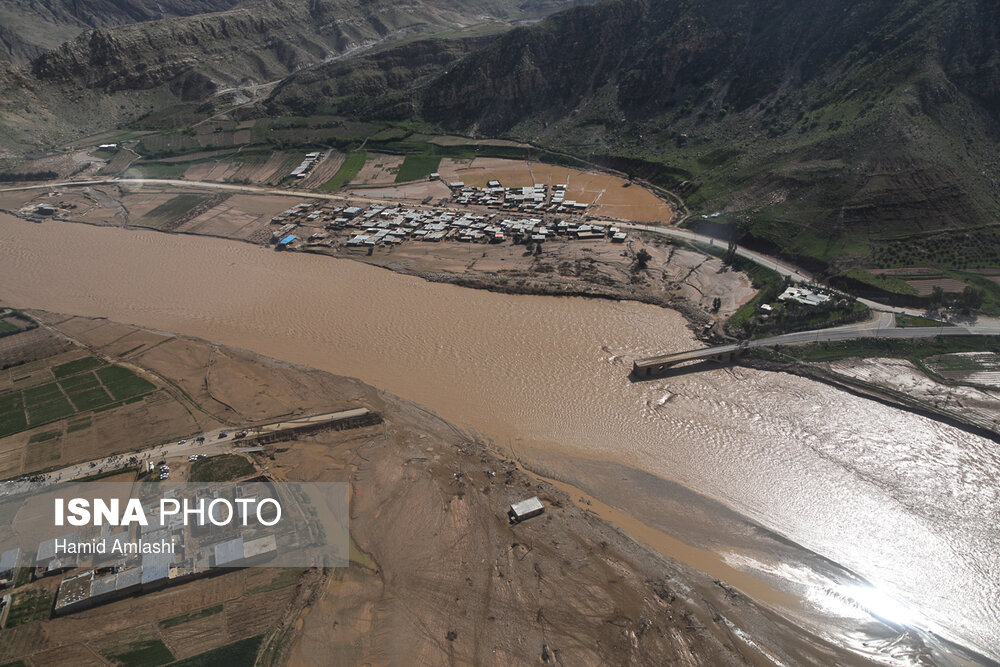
[353, 163]
[6, 327]
[78, 366]
[12, 418]
[882, 281]
[123, 383]
[29, 606]
[417, 166]
[42, 437]
[144, 653]
[243, 652]
[90, 399]
[48, 402]
[79, 383]
[171, 210]
[168, 143]
[285, 578]
[78, 425]
[40, 413]
[220, 468]
[41, 394]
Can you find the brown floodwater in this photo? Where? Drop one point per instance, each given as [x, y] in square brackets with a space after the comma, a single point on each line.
[909, 503]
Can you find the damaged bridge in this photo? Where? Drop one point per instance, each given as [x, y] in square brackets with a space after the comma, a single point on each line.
[653, 366]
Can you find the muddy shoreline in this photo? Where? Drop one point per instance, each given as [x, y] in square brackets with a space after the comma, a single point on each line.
[696, 318]
[881, 394]
[568, 587]
[401, 296]
[699, 322]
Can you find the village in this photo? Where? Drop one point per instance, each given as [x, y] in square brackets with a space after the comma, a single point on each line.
[528, 215]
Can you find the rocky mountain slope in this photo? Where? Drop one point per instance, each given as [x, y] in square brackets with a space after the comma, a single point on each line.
[106, 76]
[832, 127]
[855, 132]
[28, 28]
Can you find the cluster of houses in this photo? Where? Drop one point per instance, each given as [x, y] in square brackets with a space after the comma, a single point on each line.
[312, 159]
[390, 225]
[530, 199]
[115, 568]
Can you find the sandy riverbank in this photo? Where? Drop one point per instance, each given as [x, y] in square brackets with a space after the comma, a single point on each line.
[440, 575]
[676, 277]
[744, 437]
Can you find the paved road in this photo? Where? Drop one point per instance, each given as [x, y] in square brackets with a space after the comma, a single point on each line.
[882, 326]
[231, 187]
[848, 333]
[213, 444]
[783, 268]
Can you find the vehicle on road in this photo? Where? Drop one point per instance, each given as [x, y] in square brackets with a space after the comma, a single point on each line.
[181, 442]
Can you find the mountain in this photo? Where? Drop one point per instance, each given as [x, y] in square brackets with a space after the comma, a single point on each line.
[830, 129]
[28, 28]
[848, 133]
[109, 75]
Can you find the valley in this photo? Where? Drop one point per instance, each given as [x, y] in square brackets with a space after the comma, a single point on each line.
[734, 320]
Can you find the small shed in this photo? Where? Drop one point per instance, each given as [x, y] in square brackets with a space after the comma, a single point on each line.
[525, 509]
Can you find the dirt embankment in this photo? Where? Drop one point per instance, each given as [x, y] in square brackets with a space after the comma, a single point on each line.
[441, 576]
[675, 277]
[438, 574]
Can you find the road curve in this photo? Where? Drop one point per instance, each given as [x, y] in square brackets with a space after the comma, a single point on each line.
[783, 268]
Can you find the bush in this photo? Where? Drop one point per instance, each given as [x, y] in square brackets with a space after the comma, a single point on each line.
[642, 260]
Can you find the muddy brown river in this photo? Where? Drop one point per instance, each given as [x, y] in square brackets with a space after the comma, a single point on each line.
[909, 503]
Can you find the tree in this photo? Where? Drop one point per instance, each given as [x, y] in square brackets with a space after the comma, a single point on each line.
[642, 260]
[937, 296]
[730, 255]
[972, 298]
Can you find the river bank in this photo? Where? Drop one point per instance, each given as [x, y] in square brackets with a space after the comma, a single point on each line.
[900, 384]
[566, 588]
[674, 275]
[528, 371]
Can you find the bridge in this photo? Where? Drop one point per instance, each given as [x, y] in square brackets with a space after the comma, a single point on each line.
[881, 327]
[653, 366]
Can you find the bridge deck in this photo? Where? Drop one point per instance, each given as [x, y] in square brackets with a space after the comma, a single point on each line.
[682, 357]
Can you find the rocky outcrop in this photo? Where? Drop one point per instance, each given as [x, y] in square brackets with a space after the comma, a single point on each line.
[43, 24]
[822, 123]
[108, 75]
